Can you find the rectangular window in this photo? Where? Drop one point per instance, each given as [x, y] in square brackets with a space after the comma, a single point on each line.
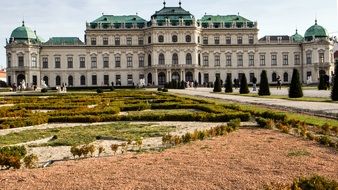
[228, 60]
[309, 58]
[35, 80]
[217, 40]
[57, 62]
[129, 61]
[129, 41]
[205, 40]
[285, 60]
[94, 62]
[240, 60]
[297, 59]
[205, 60]
[21, 61]
[106, 80]
[206, 78]
[45, 62]
[117, 41]
[251, 60]
[93, 41]
[130, 80]
[105, 62]
[228, 40]
[321, 58]
[251, 40]
[239, 40]
[94, 80]
[34, 62]
[105, 41]
[9, 61]
[141, 61]
[82, 62]
[217, 61]
[117, 61]
[118, 80]
[274, 60]
[140, 41]
[70, 62]
[262, 60]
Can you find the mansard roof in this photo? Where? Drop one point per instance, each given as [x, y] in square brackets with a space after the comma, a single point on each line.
[227, 20]
[172, 13]
[64, 41]
[107, 21]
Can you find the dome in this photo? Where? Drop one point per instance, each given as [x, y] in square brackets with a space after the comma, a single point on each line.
[23, 33]
[315, 31]
[297, 37]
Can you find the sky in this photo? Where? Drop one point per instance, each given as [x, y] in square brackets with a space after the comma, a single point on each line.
[61, 18]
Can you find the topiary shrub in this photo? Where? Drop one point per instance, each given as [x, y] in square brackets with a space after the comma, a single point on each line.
[217, 85]
[244, 85]
[334, 92]
[31, 161]
[295, 90]
[322, 83]
[314, 183]
[159, 89]
[99, 91]
[228, 84]
[44, 90]
[264, 89]
[165, 90]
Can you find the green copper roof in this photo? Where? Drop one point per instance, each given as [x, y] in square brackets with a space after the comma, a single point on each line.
[228, 20]
[64, 41]
[117, 21]
[23, 33]
[172, 13]
[297, 37]
[315, 31]
[40, 39]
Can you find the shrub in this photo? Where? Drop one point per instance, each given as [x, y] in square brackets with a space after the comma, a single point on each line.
[44, 90]
[9, 161]
[139, 142]
[101, 150]
[99, 91]
[334, 92]
[228, 84]
[165, 90]
[76, 151]
[314, 183]
[261, 122]
[112, 88]
[16, 151]
[217, 85]
[264, 89]
[114, 148]
[186, 138]
[295, 90]
[310, 136]
[244, 85]
[325, 140]
[322, 83]
[159, 89]
[234, 124]
[30, 161]
[326, 128]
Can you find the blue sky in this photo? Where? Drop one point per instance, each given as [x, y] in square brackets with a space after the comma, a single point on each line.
[52, 18]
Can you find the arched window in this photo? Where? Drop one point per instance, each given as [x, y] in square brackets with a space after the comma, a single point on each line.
[161, 78]
[82, 80]
[58, 80]
[161, 60]
[286, 77]
[187, 38]
[188, 59]
[274, 77]
[70, 80]
[160, 38]
[149, 60]
[175, 59]
[149, 40]
[199, 59]
[174, 38]
[45, 79]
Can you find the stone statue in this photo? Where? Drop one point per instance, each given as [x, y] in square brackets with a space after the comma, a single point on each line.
[43, 84]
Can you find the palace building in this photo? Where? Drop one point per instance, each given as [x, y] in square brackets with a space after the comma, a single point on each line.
[172, 45]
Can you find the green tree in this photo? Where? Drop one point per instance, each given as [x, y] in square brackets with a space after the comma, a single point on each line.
[244, 85]
[217, 85]
[334, 92]
[295, 90]
[322, 83]
[264, 89]
[228, 84]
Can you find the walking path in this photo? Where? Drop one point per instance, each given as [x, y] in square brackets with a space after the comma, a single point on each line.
[317, 108]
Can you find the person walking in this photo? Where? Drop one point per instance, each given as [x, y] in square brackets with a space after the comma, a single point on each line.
[254, 81]
[279, 83]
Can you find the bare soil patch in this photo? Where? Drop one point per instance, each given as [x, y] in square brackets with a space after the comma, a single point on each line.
[245, 159]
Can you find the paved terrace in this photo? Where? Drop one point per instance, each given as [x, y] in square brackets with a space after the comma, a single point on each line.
[318, 108]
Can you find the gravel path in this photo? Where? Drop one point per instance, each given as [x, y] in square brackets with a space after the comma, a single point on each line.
[245, 159]
[319, 108]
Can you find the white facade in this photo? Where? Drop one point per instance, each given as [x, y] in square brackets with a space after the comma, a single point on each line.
[198, 51]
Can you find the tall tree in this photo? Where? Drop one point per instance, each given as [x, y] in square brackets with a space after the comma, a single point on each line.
[244, 85]
[264, 89]
[295, 90]
[228, 84]
[334, 92]
[217, 85]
